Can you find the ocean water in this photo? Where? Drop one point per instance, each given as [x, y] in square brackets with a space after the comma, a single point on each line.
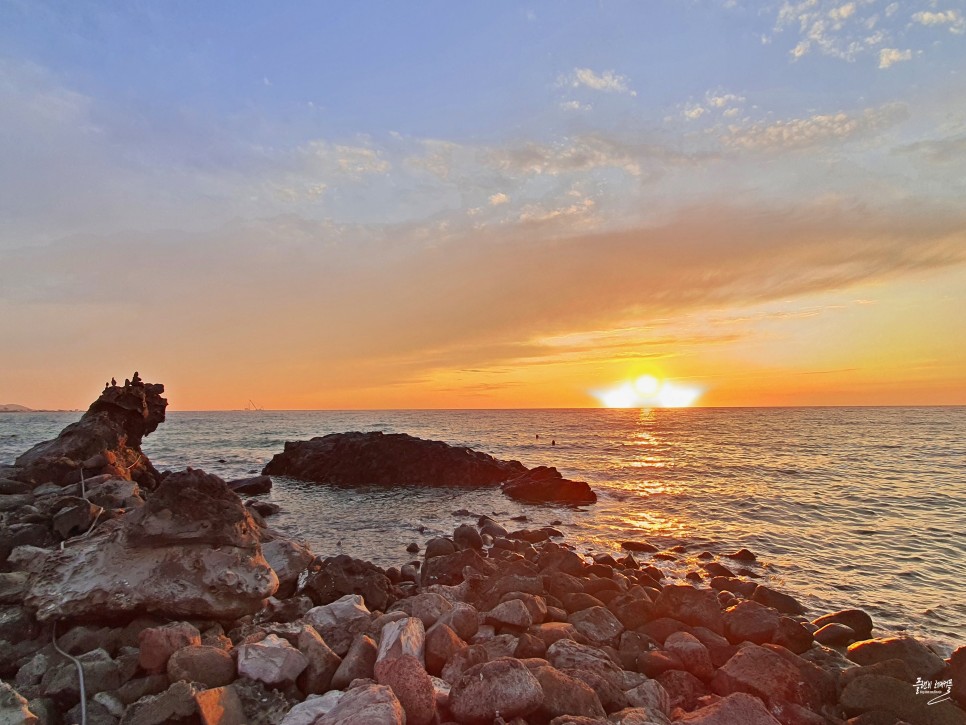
[844, 507]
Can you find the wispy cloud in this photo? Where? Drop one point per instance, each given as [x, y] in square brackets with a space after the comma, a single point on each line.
[798, 133]
[951, 18]
[608, 81]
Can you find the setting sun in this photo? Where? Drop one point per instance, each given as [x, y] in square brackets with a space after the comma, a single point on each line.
[647, 391]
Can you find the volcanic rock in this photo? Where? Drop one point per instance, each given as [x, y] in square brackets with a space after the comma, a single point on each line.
[503, 687]
[388, 459]
[338, 576]
[191, 551]
[545, 484]
[107, 439]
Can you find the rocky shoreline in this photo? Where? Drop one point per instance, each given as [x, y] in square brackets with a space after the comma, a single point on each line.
[181, 604]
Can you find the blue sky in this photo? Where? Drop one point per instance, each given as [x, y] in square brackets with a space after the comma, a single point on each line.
[356, 141]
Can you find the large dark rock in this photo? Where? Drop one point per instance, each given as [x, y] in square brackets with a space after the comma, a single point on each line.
[388, 459]
[544, 484]
[106, 440]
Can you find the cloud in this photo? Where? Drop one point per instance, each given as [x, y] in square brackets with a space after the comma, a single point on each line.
[576, 106]
[608, 82]
[888, 57]
[948, 150]
[498, 199]
[798, 133]
[475, 299]
[952, 18]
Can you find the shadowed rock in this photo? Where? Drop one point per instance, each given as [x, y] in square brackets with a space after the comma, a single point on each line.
[544, 484]
[107, 439]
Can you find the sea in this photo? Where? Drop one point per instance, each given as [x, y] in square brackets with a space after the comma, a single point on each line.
[844, 507]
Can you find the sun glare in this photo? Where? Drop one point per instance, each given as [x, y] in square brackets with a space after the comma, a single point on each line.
[648, 391]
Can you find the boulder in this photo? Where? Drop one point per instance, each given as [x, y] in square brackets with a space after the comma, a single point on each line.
[461, 661]
[749, 621]
[878, 693]
[366, 705]
[835, 634]
[340, 575]
[220, 706]
[208, 666]
[766, 674]
[692, 654]
[957, 670]
[358, 663]
[730, 710]
[512, 614]
[564, 695]
[650, 695]
[697, 607]
[288, 560]
[106, 440]
[271, 660]
[316, 679]
[191, 551]
[598, 625]
[467, 537]
[251, 486]
[501, 688]
[157, 644]
[441, 644]
[175, 703]
[683, 688]
[313, 708]
[428, 607]
[921, 660]
[777, 600]
[412, 686]
[565, 654]
[858, 620]
[404, 637]
[389, 459]
[340, 621]
[545, 484]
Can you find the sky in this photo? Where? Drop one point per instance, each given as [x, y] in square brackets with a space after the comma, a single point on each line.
[483, 205]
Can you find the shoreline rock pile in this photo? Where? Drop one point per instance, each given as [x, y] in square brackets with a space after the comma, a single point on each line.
[182, 605]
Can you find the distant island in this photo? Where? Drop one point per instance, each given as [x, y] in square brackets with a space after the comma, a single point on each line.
[14, 408]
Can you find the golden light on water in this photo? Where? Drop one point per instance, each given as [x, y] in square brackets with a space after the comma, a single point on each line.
[647, 391]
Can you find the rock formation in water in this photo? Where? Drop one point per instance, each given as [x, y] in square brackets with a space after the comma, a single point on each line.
[389, 459]
[544, 484]
[106, 440]
[353, 459]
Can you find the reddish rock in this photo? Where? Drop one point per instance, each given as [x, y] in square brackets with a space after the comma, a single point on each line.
[209, 666]
[412, 686]
[835, 634]
[504, 687]
[462, 619]
[698, 607]
[358, 664]
[405, 637]
[544, 484]
[767, 675]
[921, 660]
[693, 655]
[877, 693]
[858, 620]
[655, 662]
[427, 607]
[777, 600]
[157, 644]
[731, 710]
[793, 636]
[564, 695]
[340, 621]
[441, 644]
[566, 654]
[682, 688]
[750, 621]
[369, 704]
[957, 670]
[512, 614]
[323, 663]
[220, 706]
[463, 660]
[550, 632]
[598, 625]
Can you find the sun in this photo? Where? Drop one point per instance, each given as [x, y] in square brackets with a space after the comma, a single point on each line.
[648, 391]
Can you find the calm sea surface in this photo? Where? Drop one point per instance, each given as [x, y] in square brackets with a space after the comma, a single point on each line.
[844, 506]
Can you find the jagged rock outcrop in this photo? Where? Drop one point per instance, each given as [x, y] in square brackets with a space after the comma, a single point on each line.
[355, 459]
[545, 484]
[191, 551]
[389, 459]
[106, 440]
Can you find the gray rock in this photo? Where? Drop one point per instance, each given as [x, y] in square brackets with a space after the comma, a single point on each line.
[502, 688]
[14, 709]
[178, 701]
[271, 660]
[366, 705]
